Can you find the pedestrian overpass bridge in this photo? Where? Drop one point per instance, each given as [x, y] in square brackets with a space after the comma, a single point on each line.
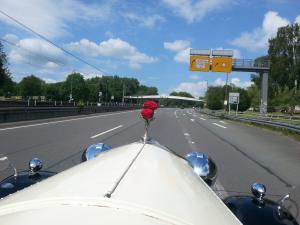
[163, 97]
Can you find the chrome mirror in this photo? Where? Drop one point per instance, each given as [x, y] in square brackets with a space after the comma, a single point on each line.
[35, 165]
[203, 166]
[92, 151]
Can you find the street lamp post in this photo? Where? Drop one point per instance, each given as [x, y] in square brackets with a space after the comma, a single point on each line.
[123, 93]
[71, 91]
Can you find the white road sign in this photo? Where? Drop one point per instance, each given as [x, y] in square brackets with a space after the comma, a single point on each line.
[234, 98]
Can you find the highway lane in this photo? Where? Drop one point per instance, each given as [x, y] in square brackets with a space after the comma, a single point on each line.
[243, 154]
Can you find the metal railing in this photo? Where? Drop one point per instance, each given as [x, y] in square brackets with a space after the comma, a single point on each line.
[250, 63]
[292, 123]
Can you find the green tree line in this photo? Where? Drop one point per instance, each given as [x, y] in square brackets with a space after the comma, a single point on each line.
[284, 76]
[82, 89]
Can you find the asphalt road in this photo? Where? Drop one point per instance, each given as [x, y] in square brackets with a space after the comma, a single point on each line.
[243, 154]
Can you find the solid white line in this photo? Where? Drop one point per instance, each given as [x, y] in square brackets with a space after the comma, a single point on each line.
[61, 121]
[202, 119]
[219, 125]
[104, 132]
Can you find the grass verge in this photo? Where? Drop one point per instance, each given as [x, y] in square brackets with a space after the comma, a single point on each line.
[283, 131]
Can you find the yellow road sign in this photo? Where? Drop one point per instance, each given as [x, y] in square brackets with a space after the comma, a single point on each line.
[222, 64]
[199, 63]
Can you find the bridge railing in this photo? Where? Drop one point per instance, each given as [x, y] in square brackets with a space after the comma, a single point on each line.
[250, 63]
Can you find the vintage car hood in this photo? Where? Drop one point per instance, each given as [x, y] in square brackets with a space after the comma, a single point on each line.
[133, 184]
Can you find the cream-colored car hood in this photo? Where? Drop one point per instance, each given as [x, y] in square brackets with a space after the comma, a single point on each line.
[148, 185]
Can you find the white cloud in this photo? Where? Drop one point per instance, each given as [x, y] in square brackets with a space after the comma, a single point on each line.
[218, 82]
[144, 21]
[52, 18]
[49, 80]
[35, 51]
[182, 49]
[113, 47]
[196, 89]
[183, 56]
[11, 38]
[195, 10]
[243, 84]
[236, 54]
[235, 81]
[297, 20]
[176, 45]
[51, 65]
[258, 38]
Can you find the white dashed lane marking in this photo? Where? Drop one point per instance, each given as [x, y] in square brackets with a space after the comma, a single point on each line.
[221, 121]
[219, 125]
[175, 113]
[202, 118]
[97, 135]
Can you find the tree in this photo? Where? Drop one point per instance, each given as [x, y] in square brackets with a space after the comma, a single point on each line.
[32, 86]
[284, 53]
[94, 84]
[144, 90]
[253, 93]
[54, 91]
[182, 94]
[76, 85]
[6, 84]
[214, 98]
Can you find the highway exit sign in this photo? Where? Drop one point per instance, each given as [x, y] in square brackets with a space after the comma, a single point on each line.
[199, 63]
[222, 64]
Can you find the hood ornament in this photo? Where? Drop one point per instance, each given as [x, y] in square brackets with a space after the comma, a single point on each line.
[259, 191]
[147, 114]
[35, 165]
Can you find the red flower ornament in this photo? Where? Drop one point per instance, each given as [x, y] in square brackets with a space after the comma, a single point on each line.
[147, 114]
[150, 105]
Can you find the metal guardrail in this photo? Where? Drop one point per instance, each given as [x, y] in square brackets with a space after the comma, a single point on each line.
[294, 120]
[57, 104]
[259, 120]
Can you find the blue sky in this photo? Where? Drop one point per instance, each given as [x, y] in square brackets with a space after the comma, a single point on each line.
[148, 40]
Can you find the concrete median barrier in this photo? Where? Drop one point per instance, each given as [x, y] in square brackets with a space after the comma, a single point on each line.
[14, 114]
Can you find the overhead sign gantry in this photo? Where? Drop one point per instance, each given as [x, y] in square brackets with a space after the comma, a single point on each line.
[211, 60]
[222, 61]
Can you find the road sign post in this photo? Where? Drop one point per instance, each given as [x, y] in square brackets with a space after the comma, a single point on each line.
[234, 98]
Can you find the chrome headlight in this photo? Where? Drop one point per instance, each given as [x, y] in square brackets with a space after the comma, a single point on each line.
[203, 166]
[92, 151]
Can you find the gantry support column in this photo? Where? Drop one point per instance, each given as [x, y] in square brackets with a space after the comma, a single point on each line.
[264, 93]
